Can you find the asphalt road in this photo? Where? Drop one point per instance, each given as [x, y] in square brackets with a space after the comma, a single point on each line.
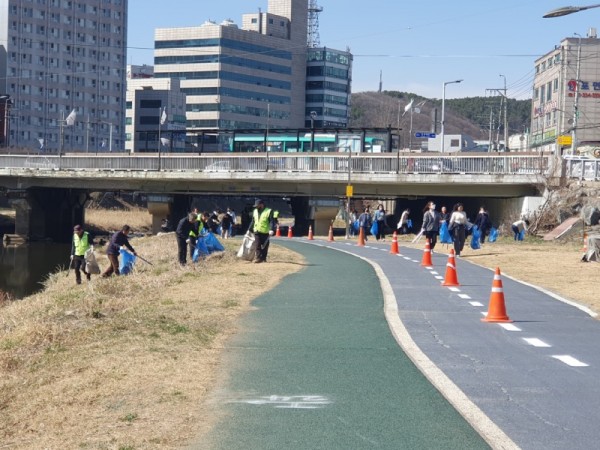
[318, 365]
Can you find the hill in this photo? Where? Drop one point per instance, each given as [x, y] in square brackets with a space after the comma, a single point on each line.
[467, 115]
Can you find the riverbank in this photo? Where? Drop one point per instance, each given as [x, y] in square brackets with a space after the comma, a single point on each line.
[128, 362]
[124, 362]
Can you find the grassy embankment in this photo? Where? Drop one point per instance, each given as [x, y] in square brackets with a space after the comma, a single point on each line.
[126, 362]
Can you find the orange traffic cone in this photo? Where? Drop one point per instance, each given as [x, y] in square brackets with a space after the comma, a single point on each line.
[290, 233]
[394, 250]
[361, 237]
[310, 233]
[497, 309]
[426, 261]
[278, 232]
[451, 279]
[330, 237]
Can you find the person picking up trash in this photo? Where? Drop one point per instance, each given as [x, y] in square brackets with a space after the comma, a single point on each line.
[117, 240]
[262, 226]
[81, 242]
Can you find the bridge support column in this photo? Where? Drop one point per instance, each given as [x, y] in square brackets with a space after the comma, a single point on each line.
[320, 213]
[159, 206]
[47, 213]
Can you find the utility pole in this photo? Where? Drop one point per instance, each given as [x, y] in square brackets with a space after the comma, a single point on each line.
[576, 103]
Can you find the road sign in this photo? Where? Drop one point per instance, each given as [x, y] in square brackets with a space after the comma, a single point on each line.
[424, 134]
[564, 140]
[349, 190]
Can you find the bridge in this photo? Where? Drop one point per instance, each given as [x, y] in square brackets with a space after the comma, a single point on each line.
[49, 191]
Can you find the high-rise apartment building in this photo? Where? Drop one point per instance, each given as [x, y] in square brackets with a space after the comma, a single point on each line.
[60, 56]
[252, 76]
[555, 108]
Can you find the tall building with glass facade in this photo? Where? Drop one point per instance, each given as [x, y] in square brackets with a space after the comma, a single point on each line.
[60, 56]
[248, 76]
[555, 86]
[328, 87]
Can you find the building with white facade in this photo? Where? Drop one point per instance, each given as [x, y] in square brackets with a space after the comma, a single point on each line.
[245, 77]
[60, 56]
[328, 87]
[554, 102]
[155, 117]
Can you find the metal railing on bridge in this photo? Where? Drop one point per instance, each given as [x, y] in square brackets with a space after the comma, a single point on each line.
[398, 163]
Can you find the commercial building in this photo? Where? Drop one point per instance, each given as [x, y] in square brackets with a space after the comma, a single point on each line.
[248, 77]
[61, 56]
[555, 108]
[328, 87]
[155, 117]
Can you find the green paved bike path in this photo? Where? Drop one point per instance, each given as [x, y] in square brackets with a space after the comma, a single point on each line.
[316, 367]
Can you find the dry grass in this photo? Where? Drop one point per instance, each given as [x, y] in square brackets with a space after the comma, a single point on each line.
[139, 219]
[123, 363]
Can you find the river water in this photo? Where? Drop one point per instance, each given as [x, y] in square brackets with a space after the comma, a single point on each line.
[23, 268]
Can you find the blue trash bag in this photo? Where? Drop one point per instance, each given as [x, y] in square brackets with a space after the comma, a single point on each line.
[493, 237]
[355, 226]
[475, 245]
[409, 224]
[126, 262]
[201, 250]
[445, 236]
[521, 235]
[374, 228]
[213, 244]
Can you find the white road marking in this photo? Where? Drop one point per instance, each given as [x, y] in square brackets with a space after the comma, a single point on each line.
[509, 327]
[475, 304]
[536, 342]
[407, 258]
[438, 277]
[290, 402]
[433, 272]
[464, 296]
[570, 361]
[454, 289]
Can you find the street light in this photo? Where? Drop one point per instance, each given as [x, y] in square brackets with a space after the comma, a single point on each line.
[443, 109]
[576, 102]
[566, 10]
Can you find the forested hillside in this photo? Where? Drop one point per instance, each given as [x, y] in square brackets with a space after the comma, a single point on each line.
[467, 115]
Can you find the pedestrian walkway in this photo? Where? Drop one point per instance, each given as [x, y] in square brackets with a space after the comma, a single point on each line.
[317, 367]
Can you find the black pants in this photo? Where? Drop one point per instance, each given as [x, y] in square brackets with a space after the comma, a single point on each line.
[432, 236]
[182, 250]
[262, 249]
[380, 229]
[193, 241]
[79, 266]
[458, 235]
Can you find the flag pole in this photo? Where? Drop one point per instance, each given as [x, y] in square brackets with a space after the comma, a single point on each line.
[159, 144]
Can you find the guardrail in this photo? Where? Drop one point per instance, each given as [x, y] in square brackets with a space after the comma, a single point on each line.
[583, 169]
[301, 162]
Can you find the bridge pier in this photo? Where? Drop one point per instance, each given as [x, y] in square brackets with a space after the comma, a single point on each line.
[47, 213]
[319, 213]
[159, 206]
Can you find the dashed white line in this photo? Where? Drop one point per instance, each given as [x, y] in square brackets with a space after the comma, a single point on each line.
[536, 342]
[438, 277]
[433, 272]
[476, 304]
[464, 296]
[454, 289]
[570, 361]
[509, 327]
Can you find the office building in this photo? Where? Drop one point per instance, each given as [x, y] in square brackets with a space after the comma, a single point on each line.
[555, 85]
[155, 117]
[60, 56]
[328, 87]
[252, 76]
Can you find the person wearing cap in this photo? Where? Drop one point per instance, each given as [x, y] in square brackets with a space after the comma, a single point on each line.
[80, 244]
[262, 226]
[117, 240]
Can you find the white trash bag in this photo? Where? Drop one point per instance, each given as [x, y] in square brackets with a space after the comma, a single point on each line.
[91, 265]
[248, 248]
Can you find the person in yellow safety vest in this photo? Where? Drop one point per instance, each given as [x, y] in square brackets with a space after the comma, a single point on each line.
[275, 218]
[80, 244]
[262, 227]
[195, 231]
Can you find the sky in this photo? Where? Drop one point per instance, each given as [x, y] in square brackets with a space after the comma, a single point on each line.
[416, 46]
